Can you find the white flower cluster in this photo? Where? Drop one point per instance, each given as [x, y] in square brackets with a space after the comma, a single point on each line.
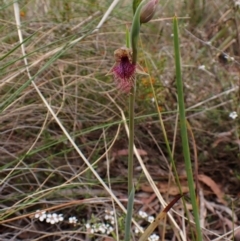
[150, 219]
[41, 215]
[144, 215]
[109, 216]
[52, 218]
[72, 220]
[100, 228]
[49, 217]
[103, 228]
[153, 237]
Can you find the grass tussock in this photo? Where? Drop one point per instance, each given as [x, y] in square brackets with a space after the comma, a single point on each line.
[63, 95]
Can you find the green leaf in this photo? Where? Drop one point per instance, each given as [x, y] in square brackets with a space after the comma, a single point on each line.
[183, 128]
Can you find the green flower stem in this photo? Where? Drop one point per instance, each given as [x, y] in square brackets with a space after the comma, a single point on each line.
[134, 45]
[131, 139]
[133, 40]
[183, 128]
[131, 129]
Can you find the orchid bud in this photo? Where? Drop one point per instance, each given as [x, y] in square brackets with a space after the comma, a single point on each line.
[148, 11]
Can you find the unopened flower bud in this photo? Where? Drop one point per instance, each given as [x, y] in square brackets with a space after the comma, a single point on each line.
[148, 11]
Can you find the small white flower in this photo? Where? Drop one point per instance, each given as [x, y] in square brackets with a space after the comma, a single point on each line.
[41, 215]
[137, 230]
[109, 216]
[237, 3]
[150, 219]
[102, 228]
[142, 214]
[73, 220]
[110, 229]
[88, 226]
[42, 218]
[153, 237]
[52, 218]
[111, 213]
[38, 213]
[112, 221]
[202, 67]
[233, 115]
[98, 227]
[60, 217]
[208, 43]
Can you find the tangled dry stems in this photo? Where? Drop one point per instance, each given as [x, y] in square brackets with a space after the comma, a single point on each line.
[37, 155]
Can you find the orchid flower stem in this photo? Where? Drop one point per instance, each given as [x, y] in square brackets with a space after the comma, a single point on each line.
[131, 139]
[134, 45]
[132, 40]
[131, 128]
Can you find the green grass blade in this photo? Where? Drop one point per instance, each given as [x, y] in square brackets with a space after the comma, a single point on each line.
[15, 48]
[183, 127]
[127, 235]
